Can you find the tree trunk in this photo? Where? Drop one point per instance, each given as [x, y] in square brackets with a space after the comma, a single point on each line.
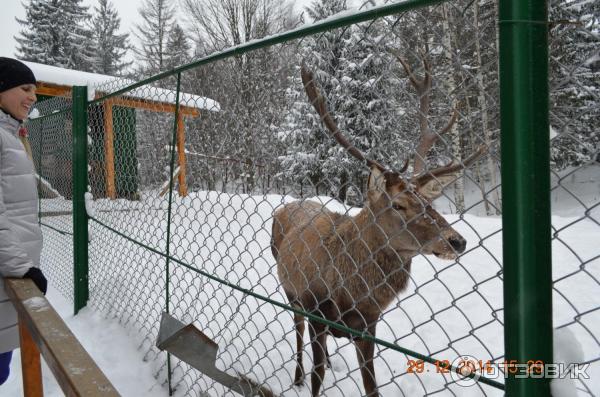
[477, 168]
[450, 83]
[491, 166]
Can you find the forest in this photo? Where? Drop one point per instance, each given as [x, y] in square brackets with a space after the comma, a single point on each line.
[266, 138]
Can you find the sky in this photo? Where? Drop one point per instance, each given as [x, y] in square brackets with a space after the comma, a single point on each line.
[11, 9]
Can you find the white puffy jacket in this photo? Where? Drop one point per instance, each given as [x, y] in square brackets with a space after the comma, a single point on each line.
[20, 234]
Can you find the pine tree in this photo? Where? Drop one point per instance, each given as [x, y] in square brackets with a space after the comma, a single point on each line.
[39, 41]
[178, 48]
[79, 45]
[157, 20]
[574, 85]
[354, 71]
[313, 160]
[54, 34]
[111, 47]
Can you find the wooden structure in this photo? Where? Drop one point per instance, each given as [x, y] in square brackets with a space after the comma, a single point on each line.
[54, 81]
[50, 89]
[41, 329]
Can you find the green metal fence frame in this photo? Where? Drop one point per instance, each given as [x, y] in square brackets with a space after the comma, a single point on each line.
[80, 183]
[526, 226]
[527, 264]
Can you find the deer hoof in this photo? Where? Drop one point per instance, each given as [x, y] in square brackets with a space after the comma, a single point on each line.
[299, 378]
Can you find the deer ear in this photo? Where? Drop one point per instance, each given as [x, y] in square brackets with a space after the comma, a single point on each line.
[377, 184]
[434, 188]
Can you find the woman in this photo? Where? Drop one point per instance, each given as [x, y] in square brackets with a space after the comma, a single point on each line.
[20, 234]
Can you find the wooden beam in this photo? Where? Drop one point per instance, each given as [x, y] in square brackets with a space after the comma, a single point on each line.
[154, 106]
[50, 89]
[73, 368]
[109, 150]
[53, 89]
[31, 364]
[165, 187]
[183, 191]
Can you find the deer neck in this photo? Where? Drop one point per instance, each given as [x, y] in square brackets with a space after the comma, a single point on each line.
[367, 252]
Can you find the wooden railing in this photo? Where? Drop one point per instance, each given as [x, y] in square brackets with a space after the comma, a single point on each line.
[42, 330]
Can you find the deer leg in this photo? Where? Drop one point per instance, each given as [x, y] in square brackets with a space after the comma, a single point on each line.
[364, 352]
[299, 322]
[318, 340]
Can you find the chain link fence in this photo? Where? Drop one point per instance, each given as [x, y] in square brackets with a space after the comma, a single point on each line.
[187, 171]
[575, 100]
[50, 137]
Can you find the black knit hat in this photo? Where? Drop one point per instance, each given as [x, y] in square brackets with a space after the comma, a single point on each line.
[14, 73]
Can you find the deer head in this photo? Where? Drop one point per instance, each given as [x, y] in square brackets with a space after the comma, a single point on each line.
[401, 206]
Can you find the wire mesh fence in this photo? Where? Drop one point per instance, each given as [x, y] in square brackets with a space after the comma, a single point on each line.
[50, 137]
[188, 171]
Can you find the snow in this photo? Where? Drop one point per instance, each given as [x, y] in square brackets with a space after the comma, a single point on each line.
[95, 83]
[107, 343]
[450, 308]
[569, 351]
[36, 303]
[89, 204]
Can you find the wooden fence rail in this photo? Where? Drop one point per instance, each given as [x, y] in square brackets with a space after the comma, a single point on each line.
[43, 330]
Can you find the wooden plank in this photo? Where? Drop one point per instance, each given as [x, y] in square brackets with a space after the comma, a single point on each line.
[109, 150]
[73, 368]
[31, 364]
[183, 191]
[154, 106]
[165, 186]
[52, 89]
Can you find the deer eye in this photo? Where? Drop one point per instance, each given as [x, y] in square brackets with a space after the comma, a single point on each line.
[398, 207]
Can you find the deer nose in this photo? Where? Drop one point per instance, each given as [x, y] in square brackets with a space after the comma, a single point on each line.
[458, 243]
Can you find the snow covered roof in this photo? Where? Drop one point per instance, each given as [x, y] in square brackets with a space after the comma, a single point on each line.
[69, 77]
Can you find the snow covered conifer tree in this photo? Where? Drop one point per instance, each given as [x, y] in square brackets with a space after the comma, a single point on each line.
[178, 48]
[308, 144]
[54, 34]
[353, 69]
[110, 46]
[153, 32]
[574, 83]
[78, 44]
[38, 41]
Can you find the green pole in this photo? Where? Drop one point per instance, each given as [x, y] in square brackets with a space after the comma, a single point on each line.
[525, 190]
[80, 182]
[169, 216]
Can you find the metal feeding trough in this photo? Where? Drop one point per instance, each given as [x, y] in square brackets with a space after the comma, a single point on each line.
[192, 346]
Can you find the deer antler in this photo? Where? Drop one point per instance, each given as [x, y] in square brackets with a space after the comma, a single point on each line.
[318, 102]
[423, 88]
[428, 137]
[450, 168]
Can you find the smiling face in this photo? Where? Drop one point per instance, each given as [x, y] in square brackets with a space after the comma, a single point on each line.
[18, 100]
[409, 221]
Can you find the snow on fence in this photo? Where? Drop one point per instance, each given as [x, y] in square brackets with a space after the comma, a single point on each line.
[184, 205]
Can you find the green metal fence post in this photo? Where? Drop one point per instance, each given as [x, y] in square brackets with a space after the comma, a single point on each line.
[80, 182]
[525, 190]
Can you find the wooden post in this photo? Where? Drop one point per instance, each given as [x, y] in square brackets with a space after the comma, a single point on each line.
[31, 364]
[42, 328]
[109, 150]
[181, 156]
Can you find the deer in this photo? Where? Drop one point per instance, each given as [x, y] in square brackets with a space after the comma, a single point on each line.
[348, 269]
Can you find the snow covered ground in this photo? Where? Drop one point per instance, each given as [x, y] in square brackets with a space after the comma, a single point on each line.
[109, 345]
[449, 309]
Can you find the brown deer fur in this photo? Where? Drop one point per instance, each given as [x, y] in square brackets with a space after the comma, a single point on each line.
[349, 269]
